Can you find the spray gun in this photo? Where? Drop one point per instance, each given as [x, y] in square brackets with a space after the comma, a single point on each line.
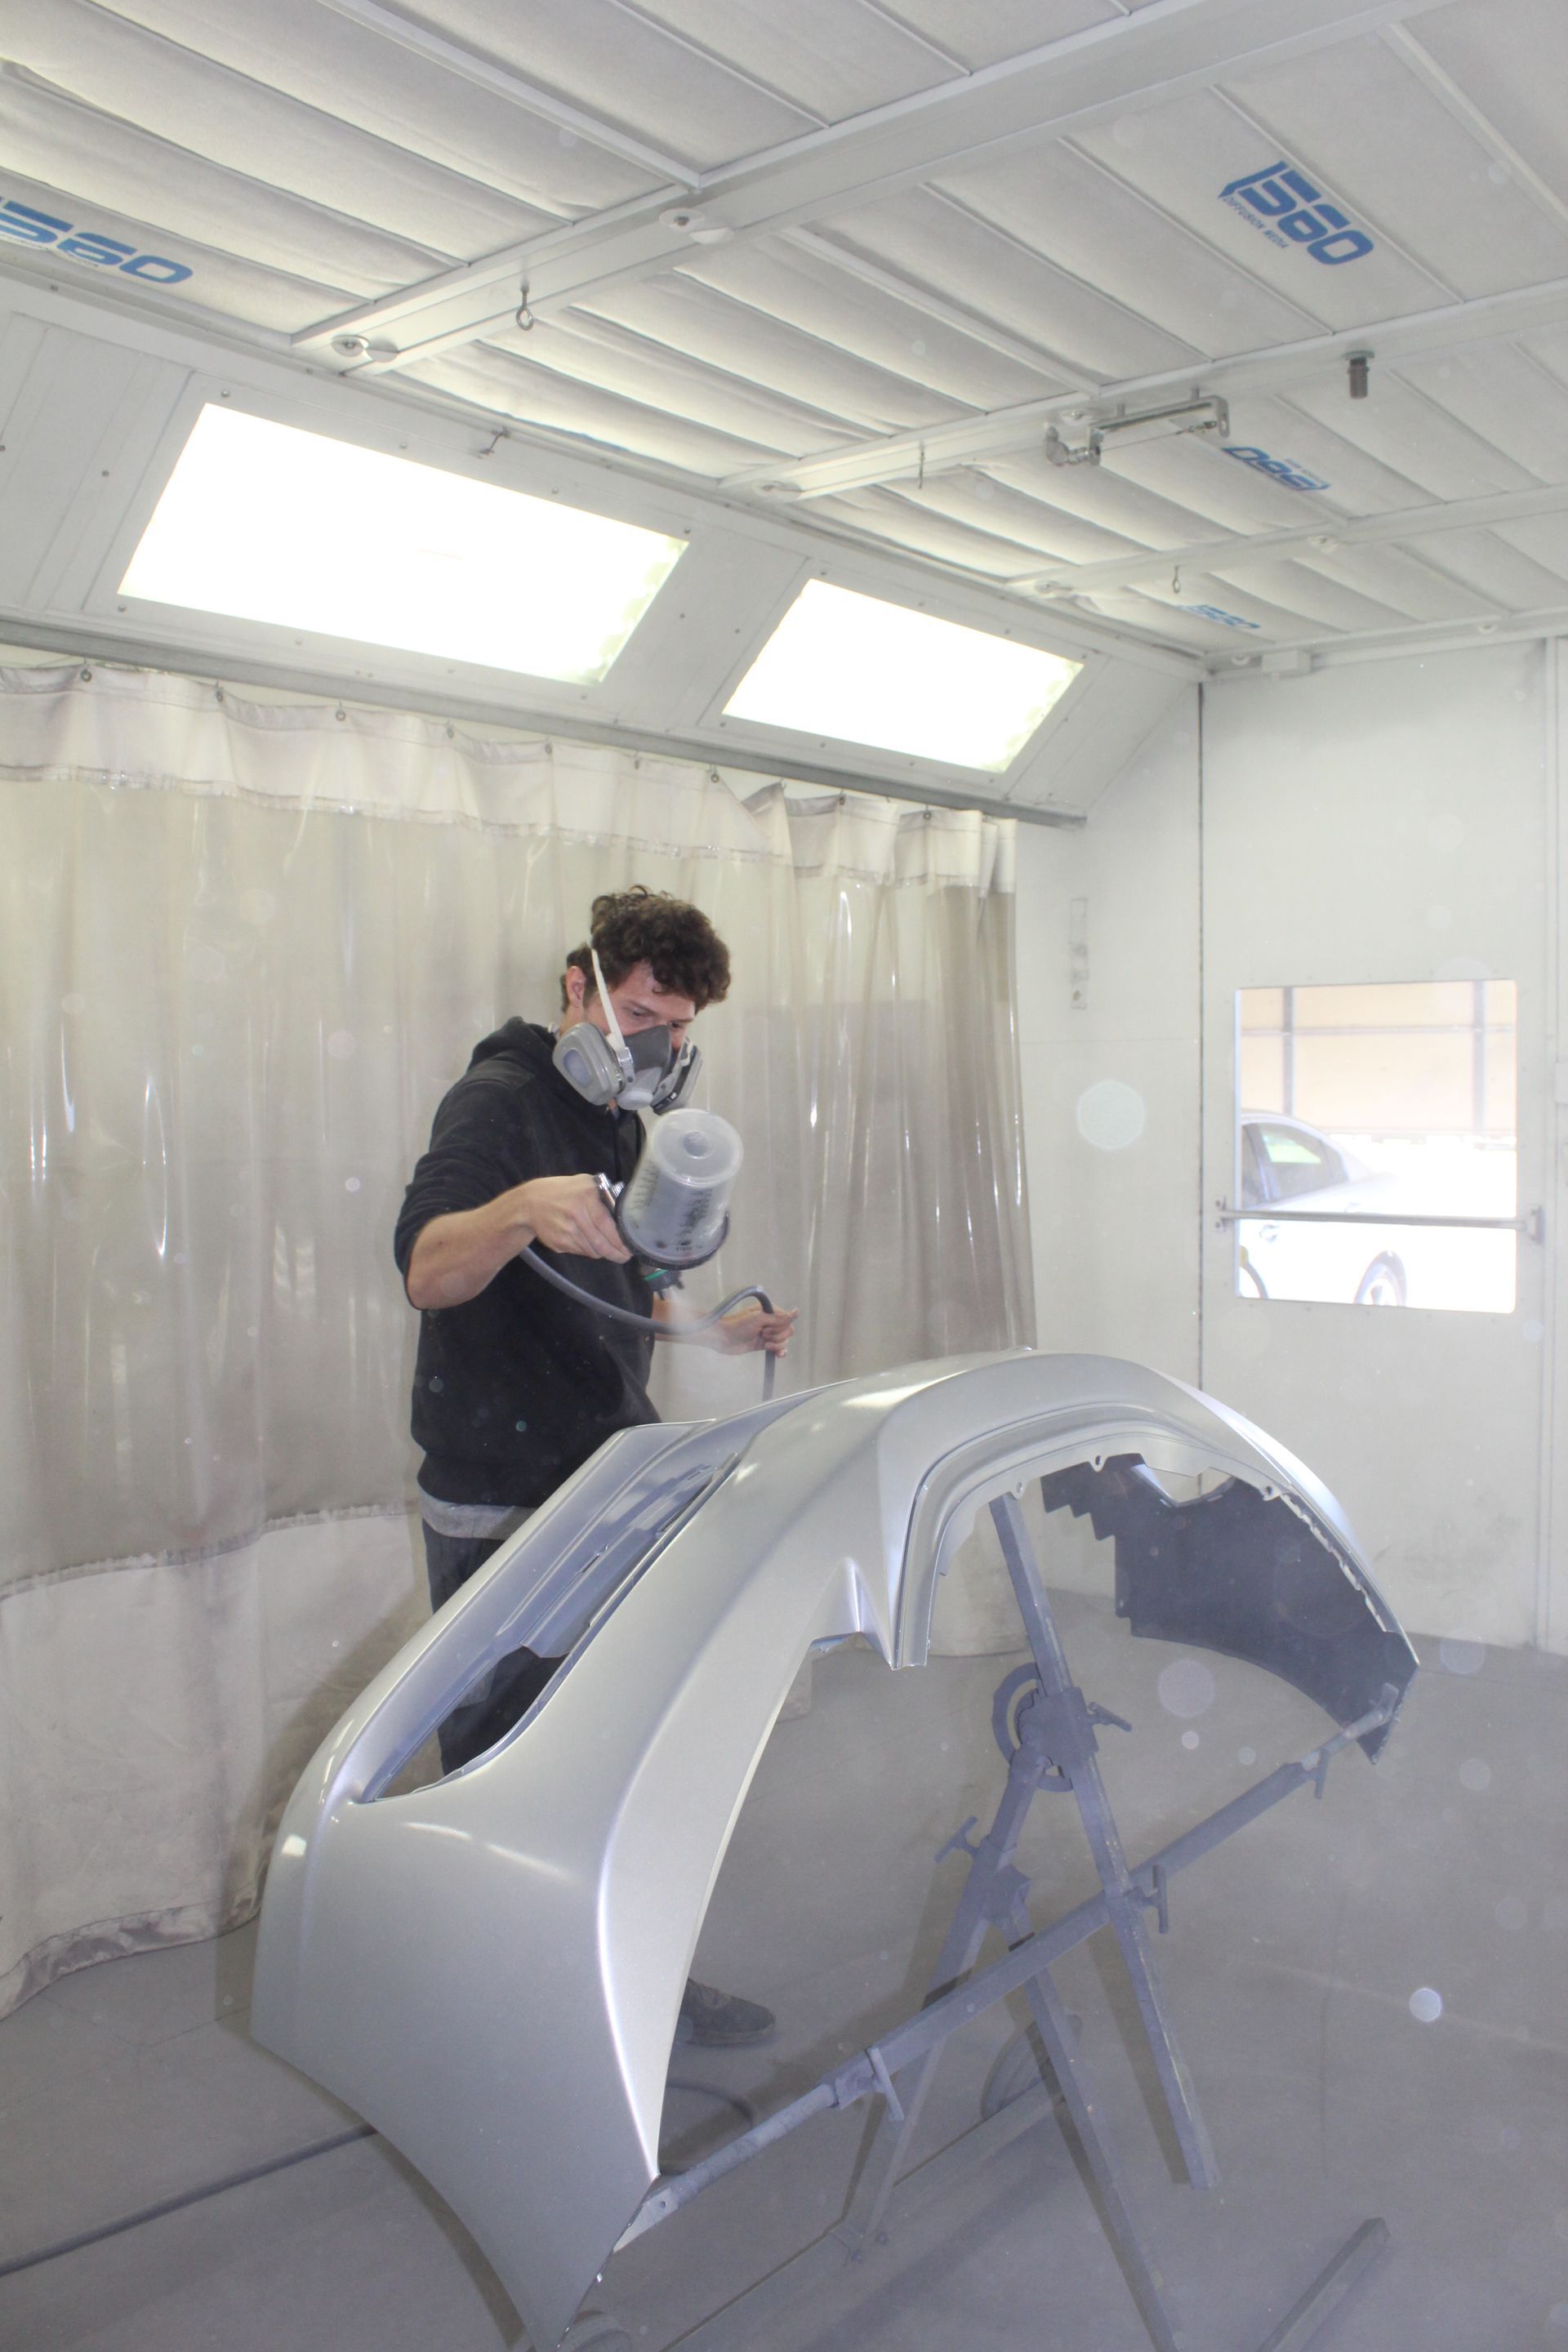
[673, 1213]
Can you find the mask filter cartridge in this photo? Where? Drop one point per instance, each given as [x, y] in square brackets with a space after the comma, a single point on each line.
[674, 1210]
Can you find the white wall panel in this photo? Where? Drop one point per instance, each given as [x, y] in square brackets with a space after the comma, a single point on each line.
[1389, 823]
[1115, 1230]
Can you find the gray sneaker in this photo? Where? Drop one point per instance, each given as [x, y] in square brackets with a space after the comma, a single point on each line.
[721, 2021]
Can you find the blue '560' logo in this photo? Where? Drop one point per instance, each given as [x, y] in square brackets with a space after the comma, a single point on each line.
[1283, 203]
[86, 245]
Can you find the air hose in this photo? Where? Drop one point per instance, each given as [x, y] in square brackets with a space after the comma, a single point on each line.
[692, 1331]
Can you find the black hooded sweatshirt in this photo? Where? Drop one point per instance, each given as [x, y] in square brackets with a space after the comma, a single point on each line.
[515, 1389]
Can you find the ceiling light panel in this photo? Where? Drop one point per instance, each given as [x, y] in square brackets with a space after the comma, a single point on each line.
[261, 522]
[855, 670]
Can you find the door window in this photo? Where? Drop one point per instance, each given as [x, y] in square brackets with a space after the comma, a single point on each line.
[1373, 1113]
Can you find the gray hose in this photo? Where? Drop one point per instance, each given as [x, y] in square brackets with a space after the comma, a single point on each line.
[650, 1323]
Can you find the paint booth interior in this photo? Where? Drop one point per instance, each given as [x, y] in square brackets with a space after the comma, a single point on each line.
[1043, 523]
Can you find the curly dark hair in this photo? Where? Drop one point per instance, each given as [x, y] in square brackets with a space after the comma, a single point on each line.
[676, 940]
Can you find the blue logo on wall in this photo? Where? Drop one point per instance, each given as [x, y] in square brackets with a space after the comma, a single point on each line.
[1283, 203]
[86, 245]
[1215, 613]
[1279, 469]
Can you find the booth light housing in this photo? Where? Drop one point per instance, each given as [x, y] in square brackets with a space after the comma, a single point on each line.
[859, 670]
[265, 522]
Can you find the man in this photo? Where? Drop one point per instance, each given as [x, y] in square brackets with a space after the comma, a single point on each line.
[515, 1384]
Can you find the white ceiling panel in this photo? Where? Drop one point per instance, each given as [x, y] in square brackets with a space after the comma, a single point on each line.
[910, 523]
[1298, 587]
[617, 65]
[221, 283]
[1512, 67]
[117, 166]
[1416, 439]
[1388, 149]
[972, 261]
[803, 238]
[975, 37]
[516, 389]
[1107, 497]
[1400, 578]
[1034, 529]
[658, 374]
[1194, 476]
[1357, 482]
[849, 394]
[1058, 203]
[1213, 639]
[1544, 539]
[308, 51]
[1182, 157]
[828, 57]
[824, 298]
[1501, 575]
[98, 60]
[1505, 398]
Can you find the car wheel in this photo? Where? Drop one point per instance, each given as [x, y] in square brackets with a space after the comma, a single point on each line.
[1383, 1284]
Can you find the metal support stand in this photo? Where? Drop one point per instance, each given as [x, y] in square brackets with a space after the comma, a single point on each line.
[1046, 1727]
[1055, 1750]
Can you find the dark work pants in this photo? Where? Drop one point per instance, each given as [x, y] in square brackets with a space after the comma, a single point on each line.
[503, 1695]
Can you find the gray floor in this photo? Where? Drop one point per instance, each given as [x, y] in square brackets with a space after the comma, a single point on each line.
[1292, 1960]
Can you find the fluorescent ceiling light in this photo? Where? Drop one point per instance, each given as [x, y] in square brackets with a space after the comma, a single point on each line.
[267, 523]
[861, 671]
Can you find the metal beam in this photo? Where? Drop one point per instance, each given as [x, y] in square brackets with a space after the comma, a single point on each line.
[1297, 656]
[999, 432]
[1328, 535]
[1167, 47]
[96, 642]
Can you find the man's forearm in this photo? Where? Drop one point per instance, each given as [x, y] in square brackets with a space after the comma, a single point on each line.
[458, 1255]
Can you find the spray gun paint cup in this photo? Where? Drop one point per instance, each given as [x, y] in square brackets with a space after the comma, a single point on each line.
[675, 1211]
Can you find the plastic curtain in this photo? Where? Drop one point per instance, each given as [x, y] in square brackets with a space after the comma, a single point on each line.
[244, 947]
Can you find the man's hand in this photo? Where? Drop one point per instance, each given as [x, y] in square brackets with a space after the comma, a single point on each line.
[570, 1214]
[458, 1255]
[751, 1327]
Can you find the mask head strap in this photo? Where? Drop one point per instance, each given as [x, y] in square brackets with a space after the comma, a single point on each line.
[621, 1051]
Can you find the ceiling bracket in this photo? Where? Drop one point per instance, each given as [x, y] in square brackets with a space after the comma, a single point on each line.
[1197, 414]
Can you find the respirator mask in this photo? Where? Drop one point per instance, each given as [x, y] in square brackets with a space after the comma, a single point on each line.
[644, 1072]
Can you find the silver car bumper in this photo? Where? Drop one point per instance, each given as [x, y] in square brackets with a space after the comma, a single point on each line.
[489, 1969]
